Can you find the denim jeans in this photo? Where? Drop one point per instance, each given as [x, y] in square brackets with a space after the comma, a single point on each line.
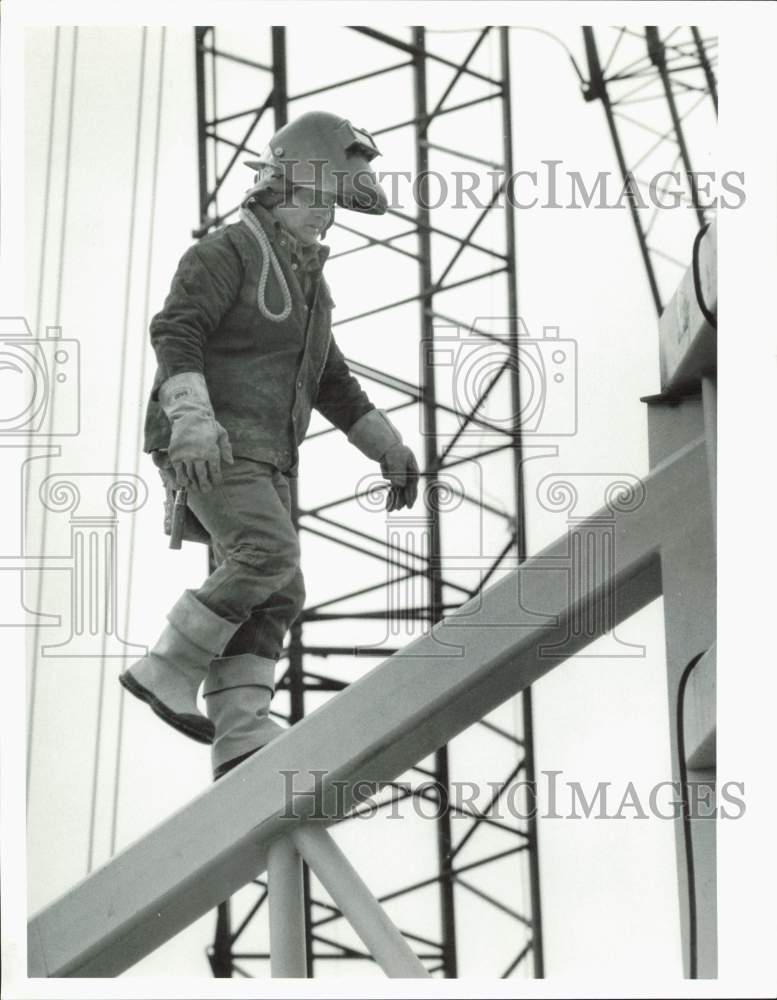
[257, 581]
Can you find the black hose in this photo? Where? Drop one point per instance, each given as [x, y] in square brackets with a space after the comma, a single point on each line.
[693, 946]
[709, 316]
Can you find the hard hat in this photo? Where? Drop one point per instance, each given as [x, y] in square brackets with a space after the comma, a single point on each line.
[324, 152]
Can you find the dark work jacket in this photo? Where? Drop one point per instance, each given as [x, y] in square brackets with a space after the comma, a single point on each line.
[263, 376]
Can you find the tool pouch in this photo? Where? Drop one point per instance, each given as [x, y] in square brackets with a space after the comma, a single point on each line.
[193, 531]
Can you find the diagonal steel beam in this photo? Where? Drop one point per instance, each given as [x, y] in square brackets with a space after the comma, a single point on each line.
[380, 726]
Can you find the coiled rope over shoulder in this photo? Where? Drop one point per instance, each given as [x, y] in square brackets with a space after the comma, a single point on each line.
[268, 260]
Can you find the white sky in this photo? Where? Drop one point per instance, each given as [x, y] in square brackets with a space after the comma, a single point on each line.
[596, 718]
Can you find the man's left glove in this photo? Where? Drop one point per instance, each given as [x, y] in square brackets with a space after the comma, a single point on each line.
[377, 438]
[198, 443]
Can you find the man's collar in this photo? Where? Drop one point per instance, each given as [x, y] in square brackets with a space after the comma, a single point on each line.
[313, 253]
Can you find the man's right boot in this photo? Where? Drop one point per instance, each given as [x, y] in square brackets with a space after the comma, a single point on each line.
[168, 678]
[238, 692]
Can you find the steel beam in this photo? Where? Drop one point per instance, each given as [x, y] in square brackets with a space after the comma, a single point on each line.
[365, 914]
[688, 587]
[700, 714]
[431, 464]
[381, 725]
[288, 947]
[687, 329]
[537, 946]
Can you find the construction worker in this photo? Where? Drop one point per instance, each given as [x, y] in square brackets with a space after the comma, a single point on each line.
[245, 350]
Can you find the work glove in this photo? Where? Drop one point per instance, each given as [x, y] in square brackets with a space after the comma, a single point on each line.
[377, 438]
[400, 467]
[198, 443]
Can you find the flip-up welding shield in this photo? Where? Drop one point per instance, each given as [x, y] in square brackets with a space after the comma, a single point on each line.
[322, 151]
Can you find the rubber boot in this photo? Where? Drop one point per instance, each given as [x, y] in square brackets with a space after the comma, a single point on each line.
[168, 678]
[238, 691]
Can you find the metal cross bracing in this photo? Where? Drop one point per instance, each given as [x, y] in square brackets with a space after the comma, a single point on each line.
[445, 257]
[658, 90]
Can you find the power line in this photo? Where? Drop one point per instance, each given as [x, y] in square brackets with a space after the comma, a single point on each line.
[58, 298]
[139, 427]
[119, 412]
[47, 190]
[68, 160]
[36, 328]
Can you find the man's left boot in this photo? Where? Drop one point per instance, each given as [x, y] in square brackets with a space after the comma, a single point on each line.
[238, 691]
[168, 678]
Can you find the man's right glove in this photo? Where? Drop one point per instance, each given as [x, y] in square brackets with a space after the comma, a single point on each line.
[400, 467]
[198, 443]
[376, 437]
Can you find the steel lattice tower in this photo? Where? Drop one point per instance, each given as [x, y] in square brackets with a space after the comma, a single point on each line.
[653, 89]
[225, 137]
